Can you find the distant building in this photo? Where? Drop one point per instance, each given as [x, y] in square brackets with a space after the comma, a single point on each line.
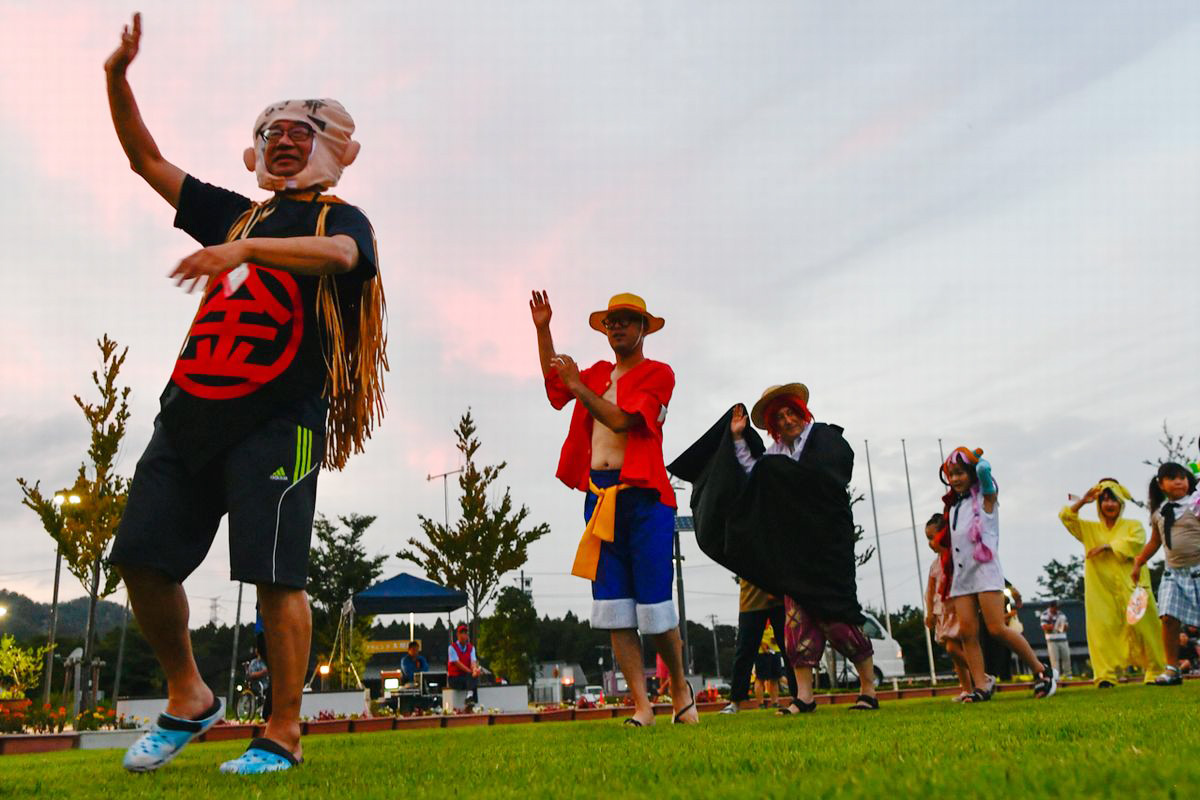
[556, 681]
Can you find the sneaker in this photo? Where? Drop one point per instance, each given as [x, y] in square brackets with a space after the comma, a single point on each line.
[166, 738]
[1046, 684]
[1169, 678]
[732, 708]
[990, 688]
[263, 755]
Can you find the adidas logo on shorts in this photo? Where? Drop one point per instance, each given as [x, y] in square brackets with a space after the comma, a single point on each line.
[279, 475]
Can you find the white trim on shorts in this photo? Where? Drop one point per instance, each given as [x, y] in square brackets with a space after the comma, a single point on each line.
[657, 617]
[279, 512]
[615, 614]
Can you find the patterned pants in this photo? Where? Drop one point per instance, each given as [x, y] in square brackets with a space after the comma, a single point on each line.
[805, 637]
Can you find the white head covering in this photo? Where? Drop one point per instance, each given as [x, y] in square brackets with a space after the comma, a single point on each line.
[332, 148]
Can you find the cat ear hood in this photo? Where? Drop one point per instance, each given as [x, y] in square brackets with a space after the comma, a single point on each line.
[332, 149]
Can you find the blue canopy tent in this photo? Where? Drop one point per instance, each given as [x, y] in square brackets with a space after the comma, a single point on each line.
[401, 594]
[408, 594]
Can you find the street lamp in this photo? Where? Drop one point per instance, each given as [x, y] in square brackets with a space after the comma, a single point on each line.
[71, 499]
[61, 498]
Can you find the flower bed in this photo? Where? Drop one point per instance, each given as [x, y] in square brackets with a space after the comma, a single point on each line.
[225, 731]
[36, 743]
[364, 724]
[593, 713]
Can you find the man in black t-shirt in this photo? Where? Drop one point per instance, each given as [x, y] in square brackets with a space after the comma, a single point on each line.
[290, 318]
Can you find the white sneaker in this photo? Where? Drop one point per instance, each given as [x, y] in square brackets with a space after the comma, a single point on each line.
[732, 708]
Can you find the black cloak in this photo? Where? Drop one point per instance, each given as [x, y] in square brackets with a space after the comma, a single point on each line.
[787, 526]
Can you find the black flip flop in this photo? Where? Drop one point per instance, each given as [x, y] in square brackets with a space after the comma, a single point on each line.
[865, 702]
[633, 723]
[686, 708]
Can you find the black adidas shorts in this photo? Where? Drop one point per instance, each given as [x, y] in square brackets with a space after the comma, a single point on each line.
[267, 484]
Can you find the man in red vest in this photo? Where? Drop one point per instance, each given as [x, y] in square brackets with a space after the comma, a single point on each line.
[462, 662]
[613, 452]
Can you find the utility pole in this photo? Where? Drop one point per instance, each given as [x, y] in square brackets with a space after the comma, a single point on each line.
[89, 648]
[682, 524]
[687, 666]
[116, 695]
[230, 705]
[716, 650]
[879, 549]
[53, 623]
[917, 553]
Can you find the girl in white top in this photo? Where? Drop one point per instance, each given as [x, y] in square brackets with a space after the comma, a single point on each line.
[977, 581]
[1175, 524]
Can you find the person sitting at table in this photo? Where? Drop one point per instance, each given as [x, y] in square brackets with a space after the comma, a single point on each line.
[412, 663]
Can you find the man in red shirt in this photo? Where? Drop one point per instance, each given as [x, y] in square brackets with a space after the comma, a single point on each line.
[613, 452]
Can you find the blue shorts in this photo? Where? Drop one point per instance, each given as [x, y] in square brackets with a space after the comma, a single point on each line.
[633, 577]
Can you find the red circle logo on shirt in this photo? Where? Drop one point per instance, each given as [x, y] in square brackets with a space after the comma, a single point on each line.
[245, 335]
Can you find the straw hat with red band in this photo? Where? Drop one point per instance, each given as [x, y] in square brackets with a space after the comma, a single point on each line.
[626, 302]
[758, 414]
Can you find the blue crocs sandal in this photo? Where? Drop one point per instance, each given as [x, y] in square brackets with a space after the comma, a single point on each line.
[263, 755]
[166, 737]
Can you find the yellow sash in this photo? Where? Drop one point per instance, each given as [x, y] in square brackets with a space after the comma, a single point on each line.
[600, 528]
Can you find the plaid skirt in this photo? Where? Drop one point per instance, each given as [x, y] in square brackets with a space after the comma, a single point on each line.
[1179, 595]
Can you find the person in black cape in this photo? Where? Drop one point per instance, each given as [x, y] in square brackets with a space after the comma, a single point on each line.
[780, 517]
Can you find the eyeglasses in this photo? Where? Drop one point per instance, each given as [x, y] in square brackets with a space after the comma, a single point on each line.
[622, 321]
[298, 134]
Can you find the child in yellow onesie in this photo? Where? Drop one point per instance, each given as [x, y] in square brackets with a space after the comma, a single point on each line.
[1111, 546]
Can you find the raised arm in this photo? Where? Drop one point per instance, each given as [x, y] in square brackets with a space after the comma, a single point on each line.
[539, 309]
[144, 157]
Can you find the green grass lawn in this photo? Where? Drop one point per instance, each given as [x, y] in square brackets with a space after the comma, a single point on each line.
[1130, 742]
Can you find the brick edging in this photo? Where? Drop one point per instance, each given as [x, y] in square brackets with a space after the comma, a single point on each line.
[12, 744]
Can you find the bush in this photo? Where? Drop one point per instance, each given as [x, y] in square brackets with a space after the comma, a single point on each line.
[20, 669]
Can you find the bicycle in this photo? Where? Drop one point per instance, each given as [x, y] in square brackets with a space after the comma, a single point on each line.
[252, 695]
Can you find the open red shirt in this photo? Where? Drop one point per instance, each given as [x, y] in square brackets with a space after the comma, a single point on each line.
[644, 390]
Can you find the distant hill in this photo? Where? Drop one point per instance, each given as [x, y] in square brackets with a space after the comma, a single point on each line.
[28, 620]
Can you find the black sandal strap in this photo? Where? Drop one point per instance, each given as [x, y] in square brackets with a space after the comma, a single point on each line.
[170, 723]
[273, 747]
[865, 702]
[689, 706]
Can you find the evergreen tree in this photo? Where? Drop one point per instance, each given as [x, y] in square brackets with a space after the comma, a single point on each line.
[84, 521]
[508, 638]
[485, 543]
[339, 568]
